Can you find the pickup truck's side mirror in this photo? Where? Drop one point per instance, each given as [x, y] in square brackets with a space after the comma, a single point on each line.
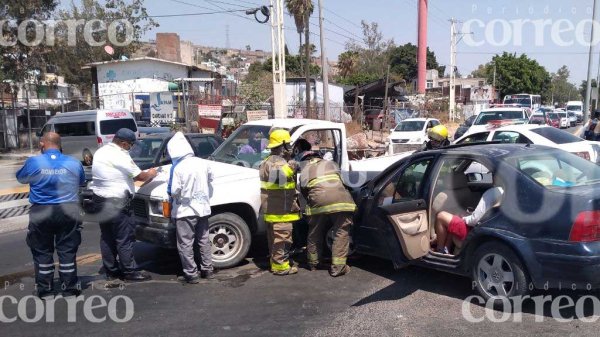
[38, 133]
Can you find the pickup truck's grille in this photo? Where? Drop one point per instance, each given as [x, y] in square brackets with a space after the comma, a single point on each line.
[399, 141]
[140, 207]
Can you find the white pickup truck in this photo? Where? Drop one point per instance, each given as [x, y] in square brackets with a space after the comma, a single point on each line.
[235, 199]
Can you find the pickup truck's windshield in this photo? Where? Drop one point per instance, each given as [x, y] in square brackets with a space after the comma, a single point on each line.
[247, 146]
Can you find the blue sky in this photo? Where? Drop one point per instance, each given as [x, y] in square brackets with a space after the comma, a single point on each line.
[398, 20]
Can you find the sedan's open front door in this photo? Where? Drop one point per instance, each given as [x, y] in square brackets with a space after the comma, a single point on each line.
[401, 213]
[409, 225]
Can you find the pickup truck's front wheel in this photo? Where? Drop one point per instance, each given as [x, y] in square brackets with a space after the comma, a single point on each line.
[230, 239]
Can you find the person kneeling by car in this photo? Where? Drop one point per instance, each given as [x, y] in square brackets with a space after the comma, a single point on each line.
[457, 226]
[189, 189]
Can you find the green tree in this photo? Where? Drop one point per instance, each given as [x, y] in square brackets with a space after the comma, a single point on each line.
[257, 87]
[561, 90]
[403, 61]
[482, 71]
[347, 63]
[70, 59]
[301, 10]
[520, 74]
[583, 89]
[372, 52]
[20, 61]
[312, 49]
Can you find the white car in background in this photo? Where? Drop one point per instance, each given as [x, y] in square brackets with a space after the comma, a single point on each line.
[564, 119]
[410, 134]
[498, 115]
[539, 135]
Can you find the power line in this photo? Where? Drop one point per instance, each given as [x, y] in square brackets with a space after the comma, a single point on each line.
[194, 14]
[343, 18]
[342, 28]
[528, 52]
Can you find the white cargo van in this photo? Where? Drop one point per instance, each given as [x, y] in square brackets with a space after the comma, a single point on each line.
[577, 108]
[83, 132]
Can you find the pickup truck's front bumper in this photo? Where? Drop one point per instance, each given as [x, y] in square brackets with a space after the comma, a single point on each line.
[152, 228]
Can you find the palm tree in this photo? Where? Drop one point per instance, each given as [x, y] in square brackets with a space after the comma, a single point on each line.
[301, 11]
[347, 62]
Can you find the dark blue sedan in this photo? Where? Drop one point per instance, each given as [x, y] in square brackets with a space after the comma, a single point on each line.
[544, 233]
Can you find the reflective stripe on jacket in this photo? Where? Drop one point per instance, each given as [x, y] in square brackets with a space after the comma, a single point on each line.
[278, 190]
[322, 186]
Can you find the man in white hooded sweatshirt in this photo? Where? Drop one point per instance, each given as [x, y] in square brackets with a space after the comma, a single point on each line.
[190, 190]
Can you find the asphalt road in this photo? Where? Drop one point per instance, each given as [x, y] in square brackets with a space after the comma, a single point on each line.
[373, 300]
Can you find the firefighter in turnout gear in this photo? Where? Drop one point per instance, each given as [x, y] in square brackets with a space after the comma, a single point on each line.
[279, 201]
[438, 138]
[329, 204]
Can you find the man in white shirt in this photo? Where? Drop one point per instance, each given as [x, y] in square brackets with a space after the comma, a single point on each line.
[190, 191]
[459, 227]
[113, 174]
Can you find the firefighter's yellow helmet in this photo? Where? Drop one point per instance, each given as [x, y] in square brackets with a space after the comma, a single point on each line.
[438, 132]
[278, 138]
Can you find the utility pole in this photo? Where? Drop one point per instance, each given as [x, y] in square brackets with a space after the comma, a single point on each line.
[452, 103]
[307, 65]
[28, 116]
[455, 38]
[588, 91]
[278, 58]
[384, 123]
[494, 84]
[324, 66]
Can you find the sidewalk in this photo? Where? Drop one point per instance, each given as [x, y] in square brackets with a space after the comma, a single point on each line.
[18, 154]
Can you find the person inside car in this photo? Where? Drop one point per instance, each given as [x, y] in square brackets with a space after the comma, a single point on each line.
[459, 226]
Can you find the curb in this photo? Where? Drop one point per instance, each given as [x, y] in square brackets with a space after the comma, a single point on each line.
[14, 157]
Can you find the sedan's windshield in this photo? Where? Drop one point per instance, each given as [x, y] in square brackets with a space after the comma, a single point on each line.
[488, 116]
[410, 126]
[247, 146]
[558, 169]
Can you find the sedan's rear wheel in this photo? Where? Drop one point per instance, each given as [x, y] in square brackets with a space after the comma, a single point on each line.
[498, 273]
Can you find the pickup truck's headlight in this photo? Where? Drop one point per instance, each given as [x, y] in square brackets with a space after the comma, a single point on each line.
[416, 140]
[156, 207]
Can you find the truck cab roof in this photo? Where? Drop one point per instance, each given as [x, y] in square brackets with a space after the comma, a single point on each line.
[291, 123]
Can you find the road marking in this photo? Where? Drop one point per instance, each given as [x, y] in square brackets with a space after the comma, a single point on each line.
[13, 278]
[10, 279]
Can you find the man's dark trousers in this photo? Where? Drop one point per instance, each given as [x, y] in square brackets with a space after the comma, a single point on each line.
[117, 238]
[54, 227]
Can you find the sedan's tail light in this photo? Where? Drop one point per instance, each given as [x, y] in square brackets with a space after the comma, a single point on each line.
[586, 227]
[585, 155]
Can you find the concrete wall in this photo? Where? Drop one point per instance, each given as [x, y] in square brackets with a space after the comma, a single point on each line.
[168, 47]
[187, 52]
[123, 71]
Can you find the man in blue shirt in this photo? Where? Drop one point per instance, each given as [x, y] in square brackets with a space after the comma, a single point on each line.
[54, 218]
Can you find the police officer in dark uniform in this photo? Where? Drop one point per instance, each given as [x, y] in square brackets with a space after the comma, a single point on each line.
[54, 218]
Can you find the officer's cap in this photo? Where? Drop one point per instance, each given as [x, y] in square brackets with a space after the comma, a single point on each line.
[126, 135]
